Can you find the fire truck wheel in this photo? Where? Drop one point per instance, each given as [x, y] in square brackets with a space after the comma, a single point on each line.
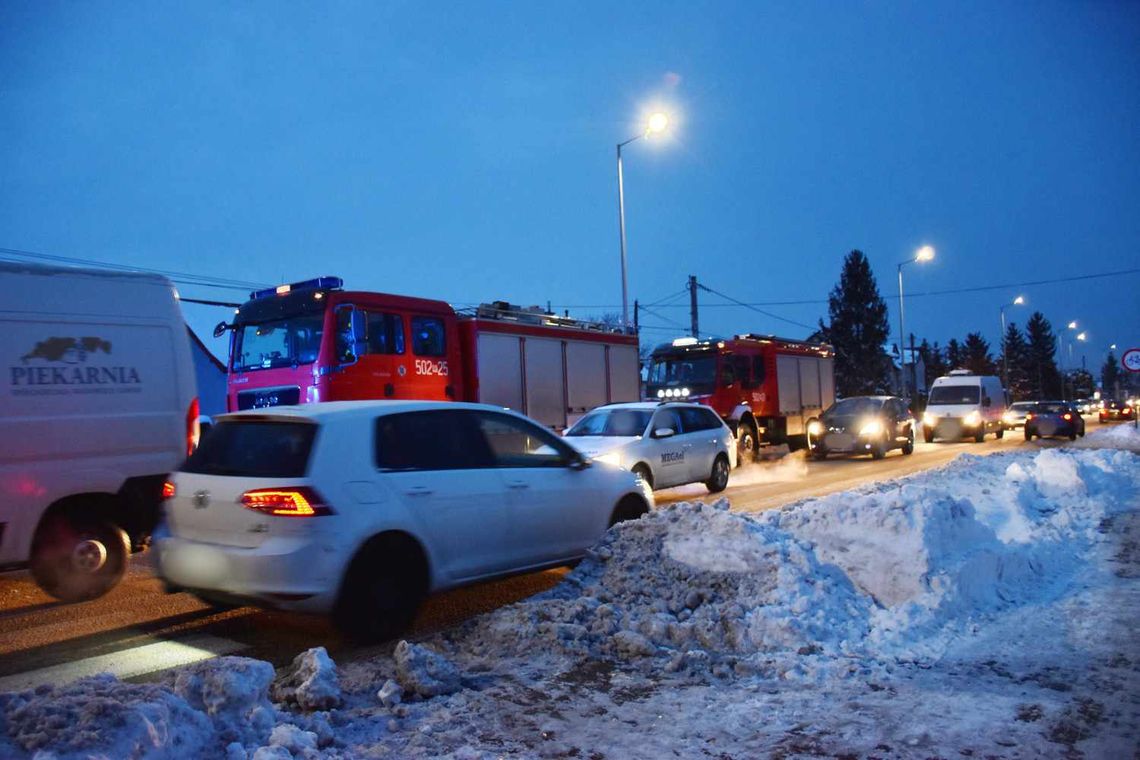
[643, 472]
[746, 443]
[76, 559]
[718, 479]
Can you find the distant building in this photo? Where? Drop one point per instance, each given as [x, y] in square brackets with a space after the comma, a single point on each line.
[913, 371]
[210, 374]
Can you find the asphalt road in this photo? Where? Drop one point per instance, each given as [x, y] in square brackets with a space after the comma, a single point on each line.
[137, 630]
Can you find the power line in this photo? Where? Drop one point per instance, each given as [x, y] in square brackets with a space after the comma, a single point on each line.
[754, 308]
[662, 316]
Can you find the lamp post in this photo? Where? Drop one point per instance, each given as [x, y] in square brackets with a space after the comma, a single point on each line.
[1067, 366]
[1004, 346]
[925, 253]
[657, 123]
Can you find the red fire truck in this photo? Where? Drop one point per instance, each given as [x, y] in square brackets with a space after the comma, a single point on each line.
[313, 341]
[766, 388]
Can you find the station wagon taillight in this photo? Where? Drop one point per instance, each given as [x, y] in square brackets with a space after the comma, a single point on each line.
[168, 490]
[1029, 416]
[1067, 416]
[286, 502]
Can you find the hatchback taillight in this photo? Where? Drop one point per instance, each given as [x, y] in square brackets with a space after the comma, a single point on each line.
[168, 490]
[192, 429]
[286, 502]
[1029, 416]
[1067, 416]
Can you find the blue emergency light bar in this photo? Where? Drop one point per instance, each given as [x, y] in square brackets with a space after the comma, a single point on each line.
[318, 283]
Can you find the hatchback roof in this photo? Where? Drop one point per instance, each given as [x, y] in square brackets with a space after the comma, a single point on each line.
[348, 409]
[649, 405]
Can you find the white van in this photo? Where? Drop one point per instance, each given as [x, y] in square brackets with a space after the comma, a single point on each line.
[963, 404]
[97, 405]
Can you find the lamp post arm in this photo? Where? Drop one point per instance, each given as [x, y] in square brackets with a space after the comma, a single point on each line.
[902, 336]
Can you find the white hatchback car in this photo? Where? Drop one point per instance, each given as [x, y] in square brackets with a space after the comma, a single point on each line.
[360, 508]
[666, 444]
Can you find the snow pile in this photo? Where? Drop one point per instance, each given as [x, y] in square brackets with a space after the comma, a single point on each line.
[311, 683]
[1122, 436]
[984, 609]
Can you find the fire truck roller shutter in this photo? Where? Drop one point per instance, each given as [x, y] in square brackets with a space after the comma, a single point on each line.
[788, 384]
[500, 370]
[585, 377]
[625, 377]
[544, 398]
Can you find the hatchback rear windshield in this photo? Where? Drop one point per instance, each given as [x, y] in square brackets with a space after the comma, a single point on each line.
[954, 394]
[255, 449]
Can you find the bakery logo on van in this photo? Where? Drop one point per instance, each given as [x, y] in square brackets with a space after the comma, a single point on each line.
[59, 365]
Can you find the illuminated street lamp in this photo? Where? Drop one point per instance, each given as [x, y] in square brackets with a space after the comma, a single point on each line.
[657, 123]
[925, 253]
[1005, 348]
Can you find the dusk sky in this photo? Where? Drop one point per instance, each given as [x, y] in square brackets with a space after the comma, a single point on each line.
[465, 151]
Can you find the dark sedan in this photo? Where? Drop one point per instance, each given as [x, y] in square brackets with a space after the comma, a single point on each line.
[1115, 410]
[1054, 418]
[863, 425]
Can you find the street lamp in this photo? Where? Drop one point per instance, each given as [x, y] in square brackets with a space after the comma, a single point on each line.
[657, 123]
[925, 253]
[1004, 347]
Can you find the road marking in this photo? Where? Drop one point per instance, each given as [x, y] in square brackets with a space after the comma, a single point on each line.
[126, 663]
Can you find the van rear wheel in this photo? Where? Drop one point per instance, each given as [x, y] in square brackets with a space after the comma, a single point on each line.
[76, 559]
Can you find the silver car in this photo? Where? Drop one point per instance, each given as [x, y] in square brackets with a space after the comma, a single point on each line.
[666, 444]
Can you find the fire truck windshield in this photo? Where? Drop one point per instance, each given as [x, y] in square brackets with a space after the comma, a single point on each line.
[278, 343]
[697, 372]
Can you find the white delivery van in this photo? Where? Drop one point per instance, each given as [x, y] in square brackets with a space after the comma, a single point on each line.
[97, 405]
[962, 404]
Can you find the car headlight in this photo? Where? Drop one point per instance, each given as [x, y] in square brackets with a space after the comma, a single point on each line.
[612, 457]
[929, 419]
[874, 427]
[815, 427]
[973, 418]
[1008, 417]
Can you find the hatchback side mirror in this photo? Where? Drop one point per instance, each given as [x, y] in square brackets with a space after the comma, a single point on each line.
[663, 433]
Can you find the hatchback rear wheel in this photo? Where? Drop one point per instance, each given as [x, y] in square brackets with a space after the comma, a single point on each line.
[382, 590]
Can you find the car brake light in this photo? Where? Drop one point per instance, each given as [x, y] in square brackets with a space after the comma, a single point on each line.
[1067, 416]
[168, 490]
[286, 502]
[192, 428]
[1127, 410]
[1029, 416]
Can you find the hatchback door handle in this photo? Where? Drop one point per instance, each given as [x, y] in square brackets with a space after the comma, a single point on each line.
[518, 485]
[419, 491]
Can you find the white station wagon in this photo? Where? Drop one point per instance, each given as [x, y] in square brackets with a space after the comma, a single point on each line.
[666, 444]
[360, 508]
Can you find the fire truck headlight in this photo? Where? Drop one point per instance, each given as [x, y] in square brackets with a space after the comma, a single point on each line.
[873, 427]
[815, 427]
[660, 394]
[685, 392]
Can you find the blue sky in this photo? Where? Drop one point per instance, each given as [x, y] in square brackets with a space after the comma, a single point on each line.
[465, 151]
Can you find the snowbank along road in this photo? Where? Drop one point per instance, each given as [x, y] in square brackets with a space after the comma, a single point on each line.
[986, 608]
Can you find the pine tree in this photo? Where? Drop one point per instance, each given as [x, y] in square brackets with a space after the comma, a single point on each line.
[858, 330]
[955, 354]
[1040, 359]
[936, 365]
[1110, 375]
[1016, 353]
[977, 358]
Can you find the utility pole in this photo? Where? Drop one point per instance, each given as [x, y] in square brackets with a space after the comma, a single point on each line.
[693, 305]
[636, 323]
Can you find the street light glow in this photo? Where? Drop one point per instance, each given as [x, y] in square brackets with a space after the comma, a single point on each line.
[1019, 300]
[1082, 336]
[657, 123]
[925, 253]
[1073, 325]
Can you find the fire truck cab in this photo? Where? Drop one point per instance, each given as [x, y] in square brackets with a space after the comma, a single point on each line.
[766, 388]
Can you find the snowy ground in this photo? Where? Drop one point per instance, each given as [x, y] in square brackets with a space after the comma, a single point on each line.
[986, 609]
